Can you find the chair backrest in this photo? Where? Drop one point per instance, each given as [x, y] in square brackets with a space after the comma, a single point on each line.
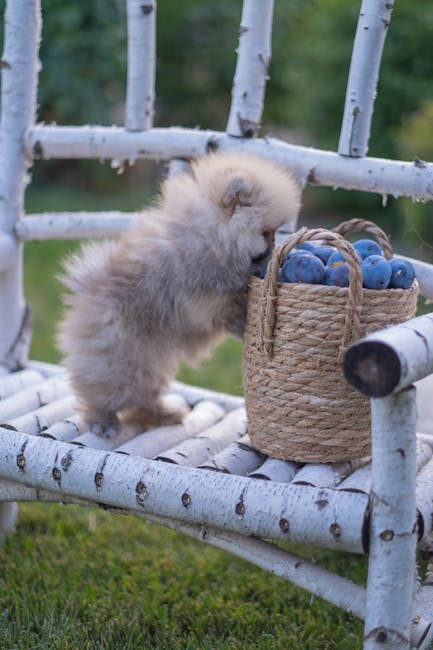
[23, 141]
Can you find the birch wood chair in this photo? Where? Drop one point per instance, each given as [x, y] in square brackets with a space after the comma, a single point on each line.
[204, 478]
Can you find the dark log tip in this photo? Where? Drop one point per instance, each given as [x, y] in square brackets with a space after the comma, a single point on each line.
[373, 368]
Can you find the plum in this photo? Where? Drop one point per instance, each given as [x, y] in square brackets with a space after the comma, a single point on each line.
[303, 268]
[306, 246]
[324, 252]
[376, 272]
[402, 274]
[337, 275]
[367, 247]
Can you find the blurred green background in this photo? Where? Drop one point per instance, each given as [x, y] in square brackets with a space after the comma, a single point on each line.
[73, 578]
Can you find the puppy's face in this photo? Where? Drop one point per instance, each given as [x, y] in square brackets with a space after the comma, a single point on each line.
[251, 198]
[236, 201]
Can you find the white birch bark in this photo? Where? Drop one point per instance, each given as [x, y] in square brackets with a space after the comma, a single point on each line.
[178, 165]
[140, 89]
[42, 418]
[8, 519]
[238, 458]
[197, 450]
[66, 430]
[393, 534]
[254, 54]
[155, 441]
[319, 167]
[360, 480]
[424, 501]
[424, 275]
[393, 358]
[371, 31]
[194, 394]
[45, 369]
[18, 381]
[329, 475]
[33, 398]
[302, 514]
[274, 469]
[18, 89]
[73, 225]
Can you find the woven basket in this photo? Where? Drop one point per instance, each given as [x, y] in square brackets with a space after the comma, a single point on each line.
[299, 405]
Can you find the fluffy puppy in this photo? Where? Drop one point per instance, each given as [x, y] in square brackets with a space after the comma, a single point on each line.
[170, 287]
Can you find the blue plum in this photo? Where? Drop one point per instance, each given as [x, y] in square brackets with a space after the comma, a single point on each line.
[337, 275]
[306, 246]
[367, 247]
[324, 252]
[292, 253]
[335, 259]
[303, 268]
[402, 274]
[376, 272]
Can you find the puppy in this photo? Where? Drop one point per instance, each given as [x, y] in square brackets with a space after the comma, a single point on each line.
[170, 287]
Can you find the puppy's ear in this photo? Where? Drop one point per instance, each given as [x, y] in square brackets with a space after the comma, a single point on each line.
[238, 191]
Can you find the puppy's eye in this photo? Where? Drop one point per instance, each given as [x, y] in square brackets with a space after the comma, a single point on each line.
[266, 234]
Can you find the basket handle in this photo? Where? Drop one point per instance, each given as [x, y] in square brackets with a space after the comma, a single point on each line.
[352, 327]
[362, 225]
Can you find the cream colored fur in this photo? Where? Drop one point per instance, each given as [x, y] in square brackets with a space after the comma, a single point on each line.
[171, 287]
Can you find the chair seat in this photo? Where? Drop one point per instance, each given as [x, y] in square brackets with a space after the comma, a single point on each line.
[204, 471]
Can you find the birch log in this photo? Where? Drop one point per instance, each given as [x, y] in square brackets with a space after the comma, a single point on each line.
[140, 90]
[239, 458]
[391, 359]
[194, 394]
[45, 369]
[254, 54]
[19, 68]
[17, 381]
[424, 500]
[315, 166]
[251, 507]
[66, 430]
[197, 450]
[371, 30]
[33, 398]
[151, 443]
[360, 480]
[424, 275]
[274, 469]
[393, 533]
[73, 225]
[18, 91]
[42, 418]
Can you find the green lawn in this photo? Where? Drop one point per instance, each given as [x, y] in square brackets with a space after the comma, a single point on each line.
[76, 578]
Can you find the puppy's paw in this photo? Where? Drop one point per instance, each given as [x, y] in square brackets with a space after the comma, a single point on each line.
[105, 430]
[142, 419]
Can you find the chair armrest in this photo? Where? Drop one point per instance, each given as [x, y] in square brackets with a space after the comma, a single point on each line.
[389, 360]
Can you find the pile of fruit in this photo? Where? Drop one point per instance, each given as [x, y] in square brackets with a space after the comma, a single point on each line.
[325, 265]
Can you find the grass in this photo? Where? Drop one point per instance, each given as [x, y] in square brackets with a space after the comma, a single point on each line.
[77, 578]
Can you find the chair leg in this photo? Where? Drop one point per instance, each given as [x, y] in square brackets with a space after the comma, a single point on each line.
[8, 518]
[393, 535]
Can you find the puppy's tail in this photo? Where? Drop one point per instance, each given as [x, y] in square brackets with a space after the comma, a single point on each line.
[88, 267]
